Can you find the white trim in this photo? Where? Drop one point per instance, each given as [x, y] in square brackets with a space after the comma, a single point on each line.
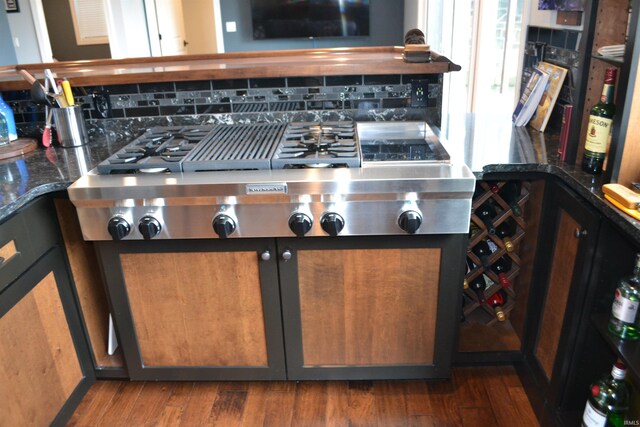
[152, 27]
[42, 33]
[217, 16]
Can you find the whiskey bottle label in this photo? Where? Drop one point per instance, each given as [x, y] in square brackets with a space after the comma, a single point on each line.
[624, 309]
[598, 134]
[592, 417]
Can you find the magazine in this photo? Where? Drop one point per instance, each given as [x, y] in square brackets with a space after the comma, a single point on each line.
[530, 97]
[545, 106]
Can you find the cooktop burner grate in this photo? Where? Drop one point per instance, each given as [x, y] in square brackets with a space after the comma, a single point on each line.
[159, 149]
[236, 147]
[318, 144]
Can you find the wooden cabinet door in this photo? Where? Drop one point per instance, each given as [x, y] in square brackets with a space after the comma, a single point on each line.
[370, 307]
[196, 310]
[45, 367]
[569, 238]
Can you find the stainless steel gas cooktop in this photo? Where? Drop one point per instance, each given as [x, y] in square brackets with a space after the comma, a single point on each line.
[276, 179]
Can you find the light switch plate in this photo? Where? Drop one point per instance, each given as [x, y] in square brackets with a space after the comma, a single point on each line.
[230, 26]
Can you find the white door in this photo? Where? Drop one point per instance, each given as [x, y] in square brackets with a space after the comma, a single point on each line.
[171, 31]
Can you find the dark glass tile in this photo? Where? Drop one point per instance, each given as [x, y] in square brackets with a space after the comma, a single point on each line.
[351, 89]
[324, 105]
[158, 96]
[343, 80]
[572, 40]
[213, 108]
[188, 101]
[307, 97]
[314, 105]
[430, 78]
[142, 111]
[86, 114]
[304, 81]
[170, 95]
[143, 103]
[250, 107]
[118, 89]
[369, 95]
[225, 99]
[558, 38]
[396, 102]
[365, 104]
[154, 102]
[382, 79]
[283, 97]
[267, 83]
[92, 89]
[241, 93]
[193, 85]
[117, 113]
[260, 98]
[170, 110]
[544, 35]
[286, 106]
[16, 95]
[532, 34]
[229, 84]
[346, 105]
[314, 90]
[18, 117]
[157, 87]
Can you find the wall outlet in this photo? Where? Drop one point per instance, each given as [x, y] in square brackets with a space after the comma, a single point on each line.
[419, 93]
[230, 26]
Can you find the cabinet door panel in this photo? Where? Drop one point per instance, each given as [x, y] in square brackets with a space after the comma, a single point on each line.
[197, 308]
[368, 307]
[562, 268]
[41, 375]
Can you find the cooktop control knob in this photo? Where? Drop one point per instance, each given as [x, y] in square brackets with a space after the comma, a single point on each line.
[332, 223]
[118, 228]
[149, 227]
[223, 225]
[300, 223]
[410, 221]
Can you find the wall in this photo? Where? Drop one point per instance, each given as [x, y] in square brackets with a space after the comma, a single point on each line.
[7, 52]
[62, 36]
[386, 29]
[23, 29]
[199, 22]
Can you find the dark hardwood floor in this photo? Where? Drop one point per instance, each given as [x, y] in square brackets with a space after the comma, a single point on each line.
[478, 396]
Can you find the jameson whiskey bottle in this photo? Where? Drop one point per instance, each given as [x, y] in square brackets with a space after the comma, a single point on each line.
[609, 400]
[599, 129]
[624, 321]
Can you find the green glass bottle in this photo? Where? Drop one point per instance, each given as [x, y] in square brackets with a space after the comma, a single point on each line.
[625, 319]
[599, 129]
[609, 400]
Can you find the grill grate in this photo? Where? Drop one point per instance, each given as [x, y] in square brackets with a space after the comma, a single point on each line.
[236, 147]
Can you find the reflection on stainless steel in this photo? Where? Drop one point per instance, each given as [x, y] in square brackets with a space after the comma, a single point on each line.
[77, 159]
[419, 190]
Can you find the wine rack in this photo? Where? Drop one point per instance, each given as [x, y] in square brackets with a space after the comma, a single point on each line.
[474, 310]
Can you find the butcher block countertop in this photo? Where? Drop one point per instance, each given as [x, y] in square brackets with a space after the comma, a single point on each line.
[264, 64]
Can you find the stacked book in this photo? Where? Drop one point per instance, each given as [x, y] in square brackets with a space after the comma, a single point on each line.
[417, 53]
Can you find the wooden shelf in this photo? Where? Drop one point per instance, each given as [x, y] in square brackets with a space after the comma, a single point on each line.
[627, 351]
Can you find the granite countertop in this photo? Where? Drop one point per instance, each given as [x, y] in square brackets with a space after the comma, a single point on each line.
[490, 147]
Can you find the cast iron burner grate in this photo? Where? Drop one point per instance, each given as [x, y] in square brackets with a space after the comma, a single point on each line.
[159, 149]
[318, 144]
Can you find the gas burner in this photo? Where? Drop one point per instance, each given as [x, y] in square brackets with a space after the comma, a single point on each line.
[321, 144]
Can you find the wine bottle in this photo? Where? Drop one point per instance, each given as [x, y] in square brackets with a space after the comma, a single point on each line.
[497, 301]
[609, 399]
[599, 128]
[486, 212]
[510, 193]
[506, 231]
[473, 229]
[478, 285]
[483, 251]
[470, 267]
[501, 267]
[625, 319]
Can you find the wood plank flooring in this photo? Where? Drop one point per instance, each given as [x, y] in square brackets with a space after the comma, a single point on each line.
[475, 396]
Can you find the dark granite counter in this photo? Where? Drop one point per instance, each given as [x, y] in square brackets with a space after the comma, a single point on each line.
[491, 147]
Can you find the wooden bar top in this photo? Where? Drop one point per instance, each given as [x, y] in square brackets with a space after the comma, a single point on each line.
[281, 63]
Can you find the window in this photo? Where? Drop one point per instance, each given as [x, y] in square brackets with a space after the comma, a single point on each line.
[482, 36]
[89, 21]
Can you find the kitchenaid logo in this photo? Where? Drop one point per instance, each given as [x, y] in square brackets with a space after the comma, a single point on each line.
[266, 188]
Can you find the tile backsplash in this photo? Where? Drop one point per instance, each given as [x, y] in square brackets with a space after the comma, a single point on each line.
[260, 95]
